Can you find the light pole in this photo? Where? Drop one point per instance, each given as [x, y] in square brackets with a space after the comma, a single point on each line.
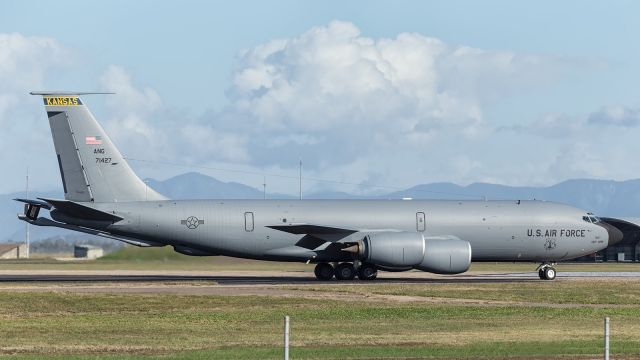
[300, 179]
[27, 240]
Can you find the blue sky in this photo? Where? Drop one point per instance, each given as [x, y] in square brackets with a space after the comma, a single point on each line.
[519, 93]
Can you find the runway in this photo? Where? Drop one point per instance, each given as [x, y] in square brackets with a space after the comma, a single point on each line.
[283, 277]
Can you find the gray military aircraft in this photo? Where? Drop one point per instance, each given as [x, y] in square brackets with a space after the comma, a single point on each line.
[344, 238]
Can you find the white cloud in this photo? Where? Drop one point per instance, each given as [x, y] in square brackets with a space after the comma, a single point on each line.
[25, 64]
[616, 116]
[128, 98]
[391, 111]
[578, 160]
[131, 110]
[24, 60]
[387, 102]
[551, 126]
[146, 128]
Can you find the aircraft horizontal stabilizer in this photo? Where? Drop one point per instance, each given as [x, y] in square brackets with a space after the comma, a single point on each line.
[48, 222]
[39, 203]
[80, 211]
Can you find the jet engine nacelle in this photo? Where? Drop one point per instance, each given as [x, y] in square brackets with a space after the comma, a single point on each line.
[446, 256]
[393, 249]
[406, 250]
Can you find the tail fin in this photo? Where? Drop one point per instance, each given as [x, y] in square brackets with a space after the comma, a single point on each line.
[92, 168]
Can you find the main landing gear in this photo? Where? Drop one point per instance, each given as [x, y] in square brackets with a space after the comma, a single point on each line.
[324, 271]
[546, 271]
[345, 271]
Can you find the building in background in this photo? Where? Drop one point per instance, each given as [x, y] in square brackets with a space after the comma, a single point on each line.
[628, 250]
[85, 251]
[13, 251]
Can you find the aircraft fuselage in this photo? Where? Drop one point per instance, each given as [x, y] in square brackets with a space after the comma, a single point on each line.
[496, 230]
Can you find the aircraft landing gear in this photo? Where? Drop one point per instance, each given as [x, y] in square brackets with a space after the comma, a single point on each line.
[547, 272]
[367, 271]
[345, 271]
[324, 271]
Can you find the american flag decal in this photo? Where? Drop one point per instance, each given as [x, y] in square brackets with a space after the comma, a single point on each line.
[93, 140]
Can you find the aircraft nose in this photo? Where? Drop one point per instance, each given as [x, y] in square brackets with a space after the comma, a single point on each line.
[615, 235]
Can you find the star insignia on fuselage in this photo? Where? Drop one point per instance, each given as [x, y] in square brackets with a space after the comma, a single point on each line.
[192, 222]
[550, 244]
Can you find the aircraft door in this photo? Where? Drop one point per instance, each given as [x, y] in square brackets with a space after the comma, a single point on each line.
[248, 221]
[420, 222]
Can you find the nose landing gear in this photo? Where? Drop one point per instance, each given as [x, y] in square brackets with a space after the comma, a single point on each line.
[546, 271]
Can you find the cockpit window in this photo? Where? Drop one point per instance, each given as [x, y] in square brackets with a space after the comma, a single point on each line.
[591, 219]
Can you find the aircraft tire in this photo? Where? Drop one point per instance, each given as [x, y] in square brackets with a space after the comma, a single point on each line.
[367, 272]
[541, 274]
[549, 273]
[345, 271]
[324, 271]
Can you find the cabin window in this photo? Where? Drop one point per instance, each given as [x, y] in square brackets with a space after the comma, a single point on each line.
[248, 221]
[420, 221]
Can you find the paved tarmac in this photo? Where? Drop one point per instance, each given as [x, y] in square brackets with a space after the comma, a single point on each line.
[272, 283]
[284, 277]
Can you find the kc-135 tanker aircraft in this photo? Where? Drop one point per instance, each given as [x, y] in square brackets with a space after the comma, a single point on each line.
[344, 238]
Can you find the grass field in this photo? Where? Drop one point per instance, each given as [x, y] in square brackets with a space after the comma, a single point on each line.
[449, 320]
[559, 320]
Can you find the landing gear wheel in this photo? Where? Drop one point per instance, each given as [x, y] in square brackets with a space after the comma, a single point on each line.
[367, 272]
[345, 271]
[549, 273]
[324, 271]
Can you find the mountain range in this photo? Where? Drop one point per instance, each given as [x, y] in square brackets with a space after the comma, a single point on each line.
[602, 197]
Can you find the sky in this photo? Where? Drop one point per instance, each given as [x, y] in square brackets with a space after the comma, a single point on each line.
[369, 95]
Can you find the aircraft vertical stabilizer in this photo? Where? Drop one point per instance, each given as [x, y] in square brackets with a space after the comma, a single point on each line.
[92, 168]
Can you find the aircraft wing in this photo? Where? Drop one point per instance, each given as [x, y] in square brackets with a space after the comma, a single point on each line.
[326, 233]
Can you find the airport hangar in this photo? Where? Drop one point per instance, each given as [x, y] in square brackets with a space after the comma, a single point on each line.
[628, 250]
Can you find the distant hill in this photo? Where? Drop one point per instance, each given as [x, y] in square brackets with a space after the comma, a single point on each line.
[194, 185]
[602, 197]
